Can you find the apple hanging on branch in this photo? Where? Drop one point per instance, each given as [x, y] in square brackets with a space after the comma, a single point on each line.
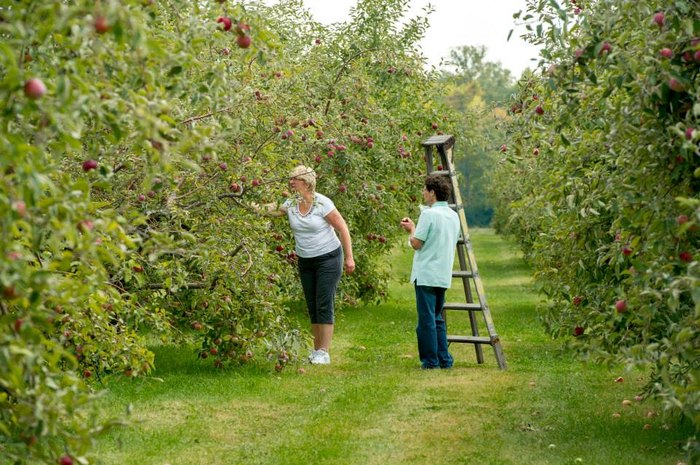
[34, 88]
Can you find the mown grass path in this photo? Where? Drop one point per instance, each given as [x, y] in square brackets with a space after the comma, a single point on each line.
[373, 405]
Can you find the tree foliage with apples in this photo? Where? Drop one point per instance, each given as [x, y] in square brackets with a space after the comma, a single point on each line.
[135, 137]
[599, 182]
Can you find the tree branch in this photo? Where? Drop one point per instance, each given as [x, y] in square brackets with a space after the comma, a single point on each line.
[206, 115]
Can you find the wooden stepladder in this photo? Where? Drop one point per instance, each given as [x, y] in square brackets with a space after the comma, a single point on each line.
[474, 294]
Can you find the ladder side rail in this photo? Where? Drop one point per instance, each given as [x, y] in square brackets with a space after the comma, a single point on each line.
[429, 159]
[446, 158]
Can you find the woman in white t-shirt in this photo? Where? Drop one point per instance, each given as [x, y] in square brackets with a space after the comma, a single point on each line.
[321, 253]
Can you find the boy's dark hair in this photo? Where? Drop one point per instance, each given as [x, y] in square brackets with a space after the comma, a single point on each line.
[440, 184]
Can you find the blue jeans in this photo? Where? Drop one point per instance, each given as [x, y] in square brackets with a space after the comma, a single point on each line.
[431, 329]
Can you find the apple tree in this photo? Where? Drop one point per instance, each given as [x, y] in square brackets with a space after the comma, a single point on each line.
[135, 137]
[599, 183]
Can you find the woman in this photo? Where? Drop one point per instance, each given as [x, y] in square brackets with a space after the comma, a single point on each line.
[314, 221]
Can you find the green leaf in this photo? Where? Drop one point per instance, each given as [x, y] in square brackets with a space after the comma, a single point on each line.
[175, 70]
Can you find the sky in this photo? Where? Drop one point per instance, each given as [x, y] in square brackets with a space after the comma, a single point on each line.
[454, 23]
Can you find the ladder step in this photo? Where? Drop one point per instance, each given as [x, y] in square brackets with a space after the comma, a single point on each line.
[462, 274]
[470, 307]
[473, 339]
[442, 172]
[456, 207]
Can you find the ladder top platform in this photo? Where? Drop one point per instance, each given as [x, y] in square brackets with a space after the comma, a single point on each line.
[446, 140]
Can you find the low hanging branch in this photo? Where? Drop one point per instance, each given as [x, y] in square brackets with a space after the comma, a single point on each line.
[206, 115]
[203, 284]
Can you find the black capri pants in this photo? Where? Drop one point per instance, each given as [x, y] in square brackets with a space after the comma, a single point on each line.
[319, 278]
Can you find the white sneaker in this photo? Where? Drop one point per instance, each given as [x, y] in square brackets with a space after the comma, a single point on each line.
[312, 355]
[320, 357]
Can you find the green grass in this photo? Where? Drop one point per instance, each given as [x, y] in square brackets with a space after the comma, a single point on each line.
[373, 405]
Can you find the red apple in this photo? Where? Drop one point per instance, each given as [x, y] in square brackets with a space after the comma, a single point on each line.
[660, 18]
[279, 248]
[606, 48]
[621, 306]
[434, 125]
[578, 331]
[682, 219]
[539, 110]
[18, 324]
[197, 326]
[223, 166]
[34, 88]
[225, 21]
[256, 182]
[213, 351]
[86, 225]
[343, 188]
[666, 53]
[87, 374]
[689, 133]
[626, 251]
[675, 85]
[234, 187]
[243, 41]
[686, 256]
[20, 207]
[65, 460]
[241, 28]
[504, 148]
[101, 25]
[577, 300]
[89, 165]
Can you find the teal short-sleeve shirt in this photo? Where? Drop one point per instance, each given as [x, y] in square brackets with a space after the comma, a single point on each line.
[438, 227]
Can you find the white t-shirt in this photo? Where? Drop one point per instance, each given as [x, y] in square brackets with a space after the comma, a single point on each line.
[313, 235]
